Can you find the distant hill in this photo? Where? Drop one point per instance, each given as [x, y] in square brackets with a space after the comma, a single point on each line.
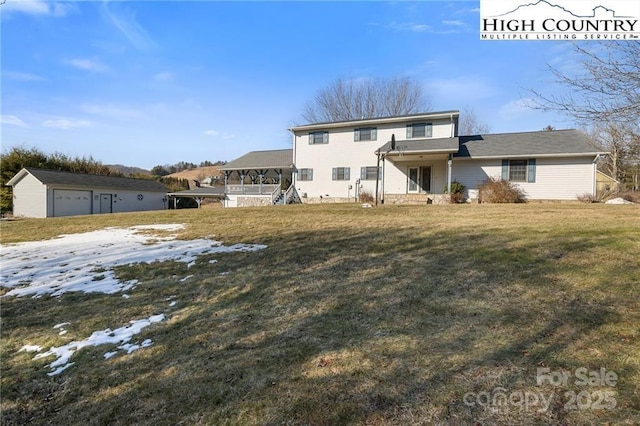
[199, 174]
[129, 170]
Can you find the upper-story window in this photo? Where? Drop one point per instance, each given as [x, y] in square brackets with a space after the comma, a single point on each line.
[318, 138]
[365, 134]
[419, 130]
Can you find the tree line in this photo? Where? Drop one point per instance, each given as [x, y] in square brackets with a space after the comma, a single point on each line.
[181, 166]
[17, 158]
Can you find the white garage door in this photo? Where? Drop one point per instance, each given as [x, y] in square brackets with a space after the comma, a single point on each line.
[67, 202]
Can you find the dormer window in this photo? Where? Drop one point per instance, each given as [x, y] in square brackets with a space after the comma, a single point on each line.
[365, 134]
[419, 130]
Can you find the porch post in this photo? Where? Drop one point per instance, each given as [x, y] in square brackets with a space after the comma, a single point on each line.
[449, 163]
[377, 176]
[241, 174]
[226, 180]
[382, 189]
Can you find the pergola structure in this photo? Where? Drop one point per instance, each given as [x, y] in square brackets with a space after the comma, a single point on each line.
[198, 194]
[259, 172]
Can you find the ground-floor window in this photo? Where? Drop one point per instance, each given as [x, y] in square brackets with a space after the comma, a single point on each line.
[519, 170]
[340, 173]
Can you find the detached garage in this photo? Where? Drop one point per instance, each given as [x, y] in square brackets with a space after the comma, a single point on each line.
[47, 193]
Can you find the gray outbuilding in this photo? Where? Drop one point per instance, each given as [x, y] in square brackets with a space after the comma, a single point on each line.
[46, 193]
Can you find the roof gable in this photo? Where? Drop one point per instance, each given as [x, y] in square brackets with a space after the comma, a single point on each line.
[53, 177]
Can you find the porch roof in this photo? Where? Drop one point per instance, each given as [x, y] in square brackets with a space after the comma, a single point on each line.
[257, 160]
[422, 146]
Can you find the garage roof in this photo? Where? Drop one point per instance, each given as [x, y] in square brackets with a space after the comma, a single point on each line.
[82, 180]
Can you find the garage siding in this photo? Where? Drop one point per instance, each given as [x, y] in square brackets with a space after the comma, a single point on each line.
[29, 198]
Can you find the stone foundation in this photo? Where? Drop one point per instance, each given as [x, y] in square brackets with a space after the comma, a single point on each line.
[416, 199]
[254, 201]
[327, 200]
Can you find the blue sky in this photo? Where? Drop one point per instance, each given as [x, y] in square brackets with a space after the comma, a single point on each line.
[156, 82]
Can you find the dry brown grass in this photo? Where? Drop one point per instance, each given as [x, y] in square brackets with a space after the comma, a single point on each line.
[351, 316]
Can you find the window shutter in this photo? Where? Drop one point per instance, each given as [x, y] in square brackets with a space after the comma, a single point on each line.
[346, 173]
[356, 135]
[380, 173]
[428, 132]
[325, 137]
[334, 173]
[310, 174]
[374, 134]
[310, 138]
[505, 169]
[531, 173]
[363, 173]
[409, 131]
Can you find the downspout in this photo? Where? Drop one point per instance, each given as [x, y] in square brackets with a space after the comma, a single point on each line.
[452, 126]
[294, 171]
[449, 164]
[594, 182]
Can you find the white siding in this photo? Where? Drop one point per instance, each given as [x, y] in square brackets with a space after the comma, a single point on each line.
[556, 178]
[343, 151]
[29, 198]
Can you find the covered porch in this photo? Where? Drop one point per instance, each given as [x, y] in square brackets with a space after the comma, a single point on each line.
[417, 171]
[259, 178]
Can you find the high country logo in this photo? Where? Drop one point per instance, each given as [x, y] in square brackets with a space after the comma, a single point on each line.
[545, 20]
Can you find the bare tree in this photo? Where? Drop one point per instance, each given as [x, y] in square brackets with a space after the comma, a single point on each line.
[622, 141]
[344, 100]
[606, 86]
[469, 124]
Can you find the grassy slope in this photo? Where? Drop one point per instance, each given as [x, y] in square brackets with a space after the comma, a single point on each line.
[377, 316]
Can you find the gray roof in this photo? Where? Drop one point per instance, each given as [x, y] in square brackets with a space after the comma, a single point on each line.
[375, 120]
[422, 145]
[52, 177]
[541, 143]
[274, 159]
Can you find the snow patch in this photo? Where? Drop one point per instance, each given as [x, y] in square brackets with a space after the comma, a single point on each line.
[84, 262]
[618, 201]
[120, 335]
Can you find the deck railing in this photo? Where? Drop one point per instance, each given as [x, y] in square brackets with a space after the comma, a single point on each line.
[252, 189]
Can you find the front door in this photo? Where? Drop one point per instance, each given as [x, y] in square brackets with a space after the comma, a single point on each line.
[425, 179]
[105, 203]
[413, 179]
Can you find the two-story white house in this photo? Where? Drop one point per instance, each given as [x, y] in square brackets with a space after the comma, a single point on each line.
[335, 162]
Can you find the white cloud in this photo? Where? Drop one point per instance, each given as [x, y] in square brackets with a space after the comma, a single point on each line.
[21, 76]
[38, 7]
[213, 133]
[12, 120]
[112, 111]
[87, 64]
[125, 21]
[65, 124]
[408, 26]
[454, 22]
